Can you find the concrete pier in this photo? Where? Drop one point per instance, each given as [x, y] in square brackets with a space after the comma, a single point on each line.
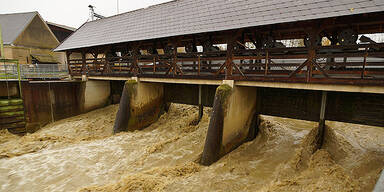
[230, 125]
[141, 105]
[380, 183]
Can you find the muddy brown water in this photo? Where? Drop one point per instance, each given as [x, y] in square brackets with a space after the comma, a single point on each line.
[81, 154]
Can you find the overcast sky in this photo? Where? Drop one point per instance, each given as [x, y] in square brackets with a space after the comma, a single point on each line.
[72, 13]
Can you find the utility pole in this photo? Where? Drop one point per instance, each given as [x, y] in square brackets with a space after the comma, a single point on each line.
[1, 45]
[93, 14]
[117, 1]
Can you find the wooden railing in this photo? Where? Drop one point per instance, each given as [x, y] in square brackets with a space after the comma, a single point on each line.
[339, 64]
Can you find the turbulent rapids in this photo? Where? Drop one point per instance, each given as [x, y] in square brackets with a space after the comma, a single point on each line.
[82, 154]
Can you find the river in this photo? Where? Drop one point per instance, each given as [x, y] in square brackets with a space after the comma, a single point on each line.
[82, 154]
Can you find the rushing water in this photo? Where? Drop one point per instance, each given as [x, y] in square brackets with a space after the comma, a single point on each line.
[80, 153]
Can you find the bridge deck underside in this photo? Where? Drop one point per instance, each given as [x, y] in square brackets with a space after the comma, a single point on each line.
[358, 108]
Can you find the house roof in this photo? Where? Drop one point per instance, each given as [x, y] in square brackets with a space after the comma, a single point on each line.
[61, 26]
[181, 17]
[13, 24]
[44, 58]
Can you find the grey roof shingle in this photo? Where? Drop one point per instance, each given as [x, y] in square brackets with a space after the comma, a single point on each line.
[182, 17]
[13, 24]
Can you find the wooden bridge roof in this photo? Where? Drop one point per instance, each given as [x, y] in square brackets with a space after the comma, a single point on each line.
[182, 17]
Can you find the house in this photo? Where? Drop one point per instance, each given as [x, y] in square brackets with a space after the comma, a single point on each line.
[61, 31]
[28, 38]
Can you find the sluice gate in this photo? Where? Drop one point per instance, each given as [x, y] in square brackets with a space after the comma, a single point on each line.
[236, 109]
[44, 102]
[12, 115]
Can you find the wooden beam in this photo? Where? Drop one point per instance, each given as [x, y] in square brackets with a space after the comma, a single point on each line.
[320, 68]
[298, 69]
[266, 63]
[199, 65]
[68, 57]
[229, 58]
[84, 63]
[238, 69]
[364, 64]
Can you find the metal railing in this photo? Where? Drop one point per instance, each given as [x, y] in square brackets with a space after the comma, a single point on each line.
[33, 71]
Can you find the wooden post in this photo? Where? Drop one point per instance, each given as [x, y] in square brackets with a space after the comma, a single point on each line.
[364, 64]
[94, 62]
[309, 71]
[109, 60]
[84, 64]
[199, 64]
[313, 34]
[135, 60]
[201, 107]
[209, 63]
[174, 62]
[154, 64]
[255, 123]
[266, 63]
[194, 50]
[106, 66]
[135, 63]
[322, 118]
[68, 54]
[51, 101]
[312, 54]
[228, 62]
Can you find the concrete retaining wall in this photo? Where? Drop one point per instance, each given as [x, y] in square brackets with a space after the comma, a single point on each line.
[97, 94]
